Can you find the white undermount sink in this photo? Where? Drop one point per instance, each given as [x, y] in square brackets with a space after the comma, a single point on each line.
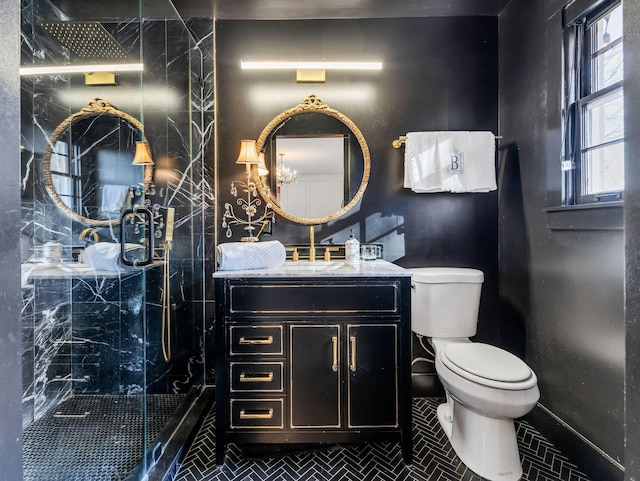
[316, 266]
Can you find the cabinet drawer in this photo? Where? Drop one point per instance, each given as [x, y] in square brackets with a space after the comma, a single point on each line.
[256, 413]
[381, 298]
[255, 340]
[256, 376]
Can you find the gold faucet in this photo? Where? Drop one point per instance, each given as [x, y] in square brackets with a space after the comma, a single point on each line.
[328, 251]
[93, 232]
[295, 256]
[312, 246]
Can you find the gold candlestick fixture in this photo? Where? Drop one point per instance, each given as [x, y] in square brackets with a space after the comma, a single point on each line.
[250, 202]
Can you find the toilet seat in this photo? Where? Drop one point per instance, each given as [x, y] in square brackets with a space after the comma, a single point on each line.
[488, 365]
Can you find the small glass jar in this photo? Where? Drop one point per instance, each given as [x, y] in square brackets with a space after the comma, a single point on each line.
[370, 252]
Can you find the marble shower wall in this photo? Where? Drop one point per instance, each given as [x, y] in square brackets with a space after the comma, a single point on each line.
[62, 317]
[92, 344]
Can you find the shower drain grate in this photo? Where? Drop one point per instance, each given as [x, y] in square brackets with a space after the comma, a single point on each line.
[60, 414]
[93, 438]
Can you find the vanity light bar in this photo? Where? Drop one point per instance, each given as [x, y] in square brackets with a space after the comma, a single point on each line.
[62, 69]
[296, 65]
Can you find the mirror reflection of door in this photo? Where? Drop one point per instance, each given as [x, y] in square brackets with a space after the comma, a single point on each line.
[322, 174]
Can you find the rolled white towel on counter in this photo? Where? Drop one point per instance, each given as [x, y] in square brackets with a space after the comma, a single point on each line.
[105, 256]
[233, 256]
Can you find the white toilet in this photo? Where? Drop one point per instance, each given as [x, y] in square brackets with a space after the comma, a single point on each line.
[486, 387]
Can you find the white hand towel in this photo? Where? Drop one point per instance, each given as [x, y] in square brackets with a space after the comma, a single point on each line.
[232, 256]
[422, 171]
[467, 161]
[114, 198]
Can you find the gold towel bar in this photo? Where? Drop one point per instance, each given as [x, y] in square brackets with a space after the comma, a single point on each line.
[403, 138]
[399, 141]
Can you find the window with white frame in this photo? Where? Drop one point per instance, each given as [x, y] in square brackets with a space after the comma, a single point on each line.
[593, 157]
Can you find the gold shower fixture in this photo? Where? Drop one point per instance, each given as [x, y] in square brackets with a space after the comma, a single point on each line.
[92, 51]
[86, 41]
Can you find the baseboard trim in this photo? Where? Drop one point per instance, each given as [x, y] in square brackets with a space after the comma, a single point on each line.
[426, 384]
[590, 459]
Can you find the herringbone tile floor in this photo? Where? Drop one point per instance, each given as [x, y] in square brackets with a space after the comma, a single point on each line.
[434, 458]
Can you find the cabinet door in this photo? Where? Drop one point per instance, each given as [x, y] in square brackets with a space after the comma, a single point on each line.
[314, 394]
[372, 390]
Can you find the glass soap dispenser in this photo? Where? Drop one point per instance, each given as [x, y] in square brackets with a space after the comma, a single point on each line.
[352, 249]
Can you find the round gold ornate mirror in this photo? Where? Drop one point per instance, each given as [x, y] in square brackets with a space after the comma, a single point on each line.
[89, 153]
[318, 163]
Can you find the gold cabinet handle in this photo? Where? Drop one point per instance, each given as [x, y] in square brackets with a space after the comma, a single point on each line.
[334, 342]
[257, 340]
[352, 364]
[256, 413]
[256, 377]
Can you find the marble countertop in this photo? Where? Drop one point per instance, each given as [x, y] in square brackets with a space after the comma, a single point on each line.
[376, 268]
[59, 270]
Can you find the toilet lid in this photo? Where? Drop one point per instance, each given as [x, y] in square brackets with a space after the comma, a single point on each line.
[486, 361]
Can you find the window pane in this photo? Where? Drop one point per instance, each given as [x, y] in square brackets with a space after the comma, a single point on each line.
[76, 162]
[64, 187]
[61, 148]
[609, 28]
[600, 116]
[604, 119]
[608, 67]
[59, 163]
[62, 184]
[77, 200]
[603, 169]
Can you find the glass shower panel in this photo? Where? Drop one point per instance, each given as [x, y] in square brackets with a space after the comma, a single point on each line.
[84, 312]
[174, 109]
[112, 351]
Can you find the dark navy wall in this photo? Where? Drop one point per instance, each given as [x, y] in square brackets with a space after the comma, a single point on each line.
[438, 74]
[632, 237]
[562, 272]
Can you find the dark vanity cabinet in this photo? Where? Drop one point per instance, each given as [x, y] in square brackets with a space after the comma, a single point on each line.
[312, 360]
[364, 356]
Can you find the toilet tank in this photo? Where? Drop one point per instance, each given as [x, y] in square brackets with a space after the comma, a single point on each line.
[445, 301]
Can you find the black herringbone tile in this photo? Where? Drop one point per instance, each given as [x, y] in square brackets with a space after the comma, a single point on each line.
[434, 458]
